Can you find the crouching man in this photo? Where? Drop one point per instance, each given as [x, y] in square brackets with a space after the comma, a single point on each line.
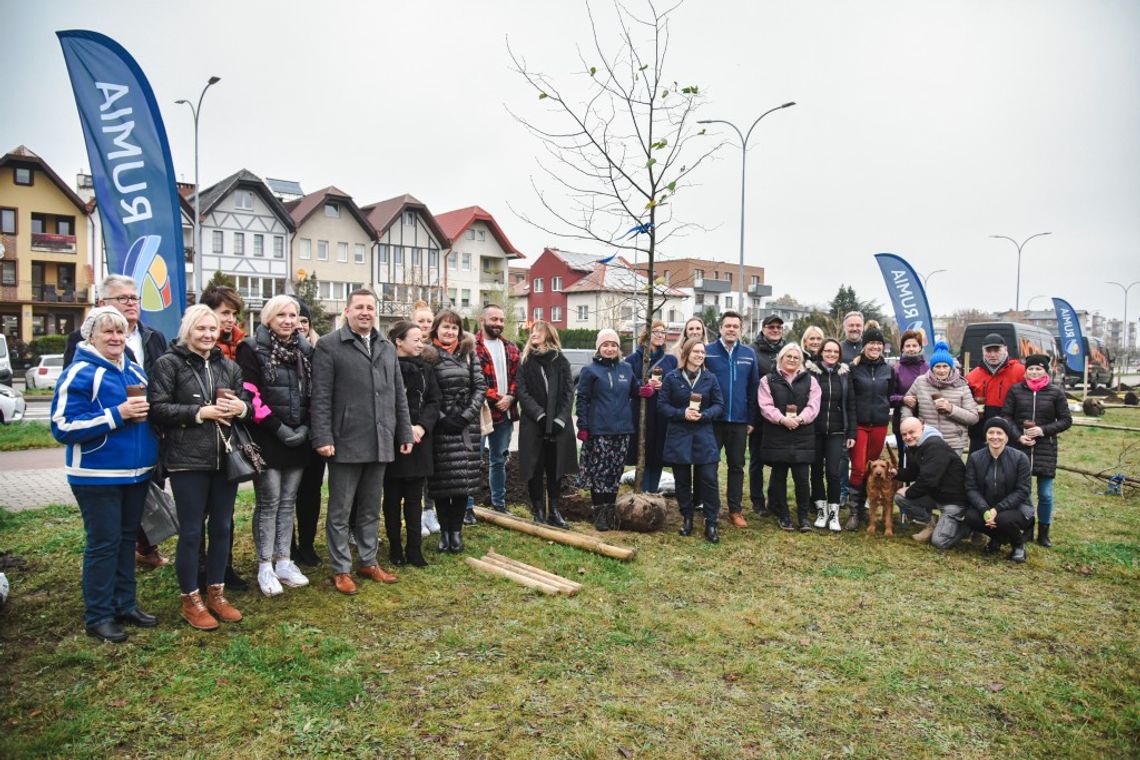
[937, 480]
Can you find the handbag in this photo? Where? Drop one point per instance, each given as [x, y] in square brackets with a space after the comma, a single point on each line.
[159, 517]
[241, 457]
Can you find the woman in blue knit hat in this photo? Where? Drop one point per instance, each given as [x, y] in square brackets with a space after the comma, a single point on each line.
[941, 398]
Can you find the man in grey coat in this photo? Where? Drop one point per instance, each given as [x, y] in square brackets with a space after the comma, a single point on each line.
[359, 416]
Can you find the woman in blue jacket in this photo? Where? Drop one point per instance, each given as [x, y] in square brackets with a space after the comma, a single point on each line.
[99, 412]
[661, 363]
[690, 401]
[605, 424]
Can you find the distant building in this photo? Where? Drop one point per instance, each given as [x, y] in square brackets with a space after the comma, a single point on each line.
[477, 261]
[333, 241]
[549, 277]
[407, 260]
[707, 283]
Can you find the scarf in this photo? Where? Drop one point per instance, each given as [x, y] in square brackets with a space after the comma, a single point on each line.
[1038, 384]
[952, 380]
[285, 352]
[452, 350]
[908, 359]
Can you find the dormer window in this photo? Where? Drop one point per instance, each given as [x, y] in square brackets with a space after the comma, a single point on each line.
[332, 210]
[22, 175]
[243, 199]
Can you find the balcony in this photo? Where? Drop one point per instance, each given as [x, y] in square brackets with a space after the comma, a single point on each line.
[492, 277]
[760, 291]
[54, 294]
[43, 241]
[707, 285]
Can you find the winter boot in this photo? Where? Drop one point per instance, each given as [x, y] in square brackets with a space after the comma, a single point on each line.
[217, 604]
[601, 517]
[536, 511]
[833, 518]
[821, 514]
[687, 524]
[858, 511]
[1043, 535]
[804, 523]
[196, 614]
[923, 536]
[553, 516]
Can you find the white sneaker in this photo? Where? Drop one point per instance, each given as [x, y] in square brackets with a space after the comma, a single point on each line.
[429, 522]
[821, 514]
[290, 574]
[833, 518]
[267, 581]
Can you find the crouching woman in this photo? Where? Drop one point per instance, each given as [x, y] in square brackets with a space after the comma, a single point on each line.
[691, 401]
[997, 488]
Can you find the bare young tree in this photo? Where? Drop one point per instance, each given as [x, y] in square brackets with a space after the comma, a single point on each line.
[616, 141]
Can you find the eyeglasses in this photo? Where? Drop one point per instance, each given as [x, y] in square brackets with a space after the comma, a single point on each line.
[658, 333]
[124, 299]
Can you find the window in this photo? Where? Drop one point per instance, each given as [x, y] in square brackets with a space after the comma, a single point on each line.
[536, 286]
[8, 221]
[627, 313]
[728, 277]
[22, 175]
[728, 302]
[756, 304]
[482, 235]
[382, 252]
[39, 224]
[358, 253]
[699, 299]
[555, 284]
[698, 275]
[342, 252]
[239, 243]
[417, 257]
[7, 272]
[332, 210]
[65, 225]
[219, 244]
[666, 275]
[306, 251]
[470, 234]
[466, 264]
[537, 312]
[555, 313]
[583, 313]
[673, 316]
[410, 218]
[258, 245]
[322, 250]
[398, 255]
[754, 281]
[244, 199]
[278, 247]
[453, 260]
[466, 300]
[451, 295]
[433, 258]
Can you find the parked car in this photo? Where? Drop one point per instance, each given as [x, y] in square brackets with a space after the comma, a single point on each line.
[578, 358]
[1100, 364]
[12, 405]
[1022, 340]
[5, 361]
[45, 373]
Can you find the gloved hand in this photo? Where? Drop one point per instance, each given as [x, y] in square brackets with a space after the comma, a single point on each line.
[453, 423]
[292, 437]
[645, 391]
[583, 435]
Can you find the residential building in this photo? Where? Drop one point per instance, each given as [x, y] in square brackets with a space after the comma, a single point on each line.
[45, 276]
[612, 295]
[787, 312]
[246, 233]
[707, 283]
[549, 277]
[1047, 319]
[333, 242]
[407, 255]
[476, 262]
[520, 300]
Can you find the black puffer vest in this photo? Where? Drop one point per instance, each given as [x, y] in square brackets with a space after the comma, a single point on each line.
[781, 445]
[283, 394]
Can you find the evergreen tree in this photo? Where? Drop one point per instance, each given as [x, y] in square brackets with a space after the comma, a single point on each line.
[306, 291]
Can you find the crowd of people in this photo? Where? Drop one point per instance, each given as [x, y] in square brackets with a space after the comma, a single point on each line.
[401, 421]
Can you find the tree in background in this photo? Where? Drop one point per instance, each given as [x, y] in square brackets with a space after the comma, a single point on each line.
[306, 289]
[221, 278]
[616, 141]
[846, 300]
[956, 327]
[821, 320]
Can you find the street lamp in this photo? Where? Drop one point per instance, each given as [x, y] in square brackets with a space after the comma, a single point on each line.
[1124, 329]
[196, 110]
[1017, 298]
[1029, 303]
[926, 278]
[743, 162]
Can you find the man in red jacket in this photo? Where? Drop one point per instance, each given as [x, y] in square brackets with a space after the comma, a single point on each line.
[990, 381]
[499, 359]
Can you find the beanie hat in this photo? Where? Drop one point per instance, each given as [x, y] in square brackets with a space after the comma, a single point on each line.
[999, 422]
[303, 309]
[606, 335]
[873, 335]
[89, 322]
[1037, 360]
[941, 354]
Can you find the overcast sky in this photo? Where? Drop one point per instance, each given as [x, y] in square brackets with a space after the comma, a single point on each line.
[921, 127]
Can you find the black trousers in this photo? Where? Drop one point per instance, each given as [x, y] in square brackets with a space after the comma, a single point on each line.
[547, 468]
[405, 493]
[733, 438]
[1011, 525]
[450, 510]
[828, 461]
[696, 484]
[778, 488]
[309, 503]
[756, 470]
[198, 496]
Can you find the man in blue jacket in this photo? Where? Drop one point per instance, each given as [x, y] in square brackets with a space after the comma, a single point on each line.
[735, 367]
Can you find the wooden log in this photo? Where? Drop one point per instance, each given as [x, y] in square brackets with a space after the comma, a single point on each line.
[1129, 479]
[562, 586]
[1080, 422]
[557, 535]
[535, 572]
[502, 572]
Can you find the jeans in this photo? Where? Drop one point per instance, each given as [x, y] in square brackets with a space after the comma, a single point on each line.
[198, 495]
[919, 510]
[696, 483]
[844, 469]
[111, 516]
[829, 457]
[276, 490]
[733, 438]
[499, 444]
[1044, 501]
[651, 479]
[354, 487]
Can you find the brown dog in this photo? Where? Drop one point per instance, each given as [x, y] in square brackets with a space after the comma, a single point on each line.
[881, 487]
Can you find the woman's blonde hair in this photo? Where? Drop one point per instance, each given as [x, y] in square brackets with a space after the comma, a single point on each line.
[192, 317]
[687, 349]
[276, 305]
[680, 344]
[552, 339]
[812, 330]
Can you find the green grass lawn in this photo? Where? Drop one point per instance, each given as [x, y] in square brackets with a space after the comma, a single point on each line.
[26, 435]
[771, 644]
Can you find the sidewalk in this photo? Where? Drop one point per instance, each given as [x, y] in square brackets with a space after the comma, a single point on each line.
[33, 478]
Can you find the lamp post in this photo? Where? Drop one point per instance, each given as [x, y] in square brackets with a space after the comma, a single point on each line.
[926, 278]
[743, 163]
[1123, 330]
[196, 110]
[1017, 297]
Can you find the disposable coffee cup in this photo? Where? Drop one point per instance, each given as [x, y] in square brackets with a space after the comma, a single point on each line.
[792, 409]
[695, 401]
[135, 391]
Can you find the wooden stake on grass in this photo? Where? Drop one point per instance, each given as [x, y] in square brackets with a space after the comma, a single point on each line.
[502, 572]
[570, 588]
[567, 537]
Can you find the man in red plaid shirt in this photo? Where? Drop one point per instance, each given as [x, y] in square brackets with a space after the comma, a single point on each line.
[500, 362]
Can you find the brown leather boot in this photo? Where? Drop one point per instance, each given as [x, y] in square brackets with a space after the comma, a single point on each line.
[217, 603]
[923, 536]
[195, 613]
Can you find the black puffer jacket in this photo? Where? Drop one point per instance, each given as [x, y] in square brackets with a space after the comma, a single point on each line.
[1001, 483]
[181, 384]
[874, 383]
[1047, 407]
[836, 399]
[456, 456]
[933, 469]
[284, 390]
[423, 407]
